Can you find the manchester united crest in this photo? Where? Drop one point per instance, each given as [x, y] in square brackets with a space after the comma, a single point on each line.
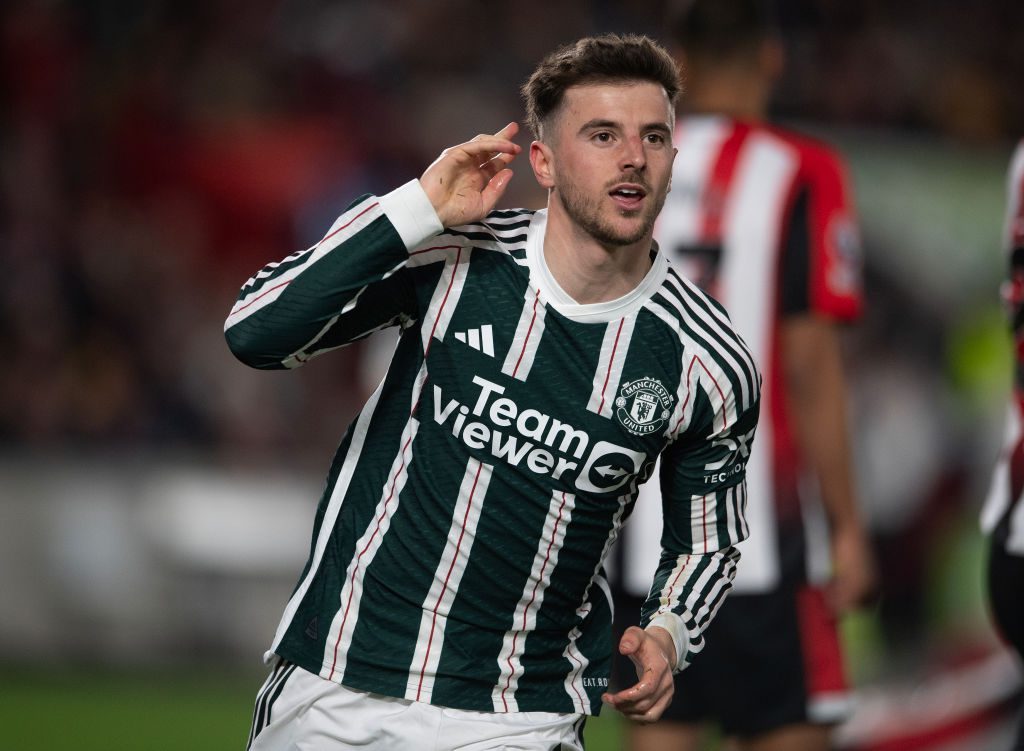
[643, 406]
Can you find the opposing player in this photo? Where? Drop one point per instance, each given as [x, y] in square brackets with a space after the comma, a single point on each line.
[762, 218]
[1003, 516]
[454, 596]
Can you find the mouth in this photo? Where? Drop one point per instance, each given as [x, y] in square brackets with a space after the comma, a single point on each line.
[628, 196]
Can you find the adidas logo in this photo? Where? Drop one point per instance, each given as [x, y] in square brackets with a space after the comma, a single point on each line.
[481, 338]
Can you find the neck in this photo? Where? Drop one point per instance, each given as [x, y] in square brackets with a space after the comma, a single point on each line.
[586, 269]
[729, 92]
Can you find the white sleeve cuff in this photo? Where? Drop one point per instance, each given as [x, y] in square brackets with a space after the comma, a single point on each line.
[677, 630]
[411, 213]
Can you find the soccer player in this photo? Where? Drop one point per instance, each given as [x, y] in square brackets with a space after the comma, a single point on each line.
[1003, 515]
[454, 595]
[762, 218]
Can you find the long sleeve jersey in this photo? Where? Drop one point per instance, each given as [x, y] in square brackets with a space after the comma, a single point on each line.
[458, 546]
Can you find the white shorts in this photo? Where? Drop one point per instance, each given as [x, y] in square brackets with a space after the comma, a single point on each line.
[298, 711]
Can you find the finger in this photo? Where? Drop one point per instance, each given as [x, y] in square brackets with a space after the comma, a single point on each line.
[629, 697]
[652, 714]
[505, 134]
[485, 147]
[644, 700]
[631, 640]
[509, 131]
[495, 188]
[496, 164]
[637, 708]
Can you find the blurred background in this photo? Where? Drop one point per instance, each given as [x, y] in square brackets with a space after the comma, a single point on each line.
[156, 496]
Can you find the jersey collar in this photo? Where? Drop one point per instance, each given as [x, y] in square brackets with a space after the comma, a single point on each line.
[555, 297]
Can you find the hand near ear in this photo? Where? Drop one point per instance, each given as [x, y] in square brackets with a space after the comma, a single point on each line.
[466, 181]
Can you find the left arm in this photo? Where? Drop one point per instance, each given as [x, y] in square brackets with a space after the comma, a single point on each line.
[821, 286]
[816, 393]
[703, 501]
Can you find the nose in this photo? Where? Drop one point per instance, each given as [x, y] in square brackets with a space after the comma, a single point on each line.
[633, 156]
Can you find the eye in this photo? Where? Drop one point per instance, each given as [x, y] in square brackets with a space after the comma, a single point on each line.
[603, 136]
[655, 138]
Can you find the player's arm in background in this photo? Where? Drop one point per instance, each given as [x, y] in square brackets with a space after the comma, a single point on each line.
[1013, 288]
[703, 483]
[1007, 482]
[356, 279]
[820, 286]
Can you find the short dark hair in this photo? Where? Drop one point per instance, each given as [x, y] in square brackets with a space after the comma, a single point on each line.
[719, 29]
[598, 59]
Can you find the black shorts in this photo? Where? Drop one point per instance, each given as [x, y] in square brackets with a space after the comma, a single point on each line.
[769, 661]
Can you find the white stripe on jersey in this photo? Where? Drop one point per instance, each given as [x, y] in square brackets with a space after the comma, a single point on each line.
[344, 227]
[498, 228]
[688, 574]
[709, 321]
[355, 450]
[447, 576]
[342, 628]
[608, 373]
[711, 600]
[704, 523]
[756, 206]
[300, 356]
[736, 515]
[574, 679]
[683, 409]
[343, 625]
[526, 340]
[680, 220]
[701, 370]
[678, 577]
[761, 184]
[439, 313]
[446, 296]
[524, 620]
[729, 347]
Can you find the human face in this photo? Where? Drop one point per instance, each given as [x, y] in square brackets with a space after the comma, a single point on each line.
[608, 160]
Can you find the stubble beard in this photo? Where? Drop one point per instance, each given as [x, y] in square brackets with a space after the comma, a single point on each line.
[585, 212]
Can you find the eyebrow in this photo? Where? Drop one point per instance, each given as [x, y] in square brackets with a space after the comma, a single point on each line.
[597, 123]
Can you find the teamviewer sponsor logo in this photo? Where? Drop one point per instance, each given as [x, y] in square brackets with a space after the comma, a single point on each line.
[608, 468]
[480, 339]
[542, 443]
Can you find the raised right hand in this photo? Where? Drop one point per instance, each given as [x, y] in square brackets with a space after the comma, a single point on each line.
[466, 181]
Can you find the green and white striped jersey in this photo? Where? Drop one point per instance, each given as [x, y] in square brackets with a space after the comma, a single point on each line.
[457, 550]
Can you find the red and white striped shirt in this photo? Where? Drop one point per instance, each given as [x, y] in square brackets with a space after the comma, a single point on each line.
[763, 219]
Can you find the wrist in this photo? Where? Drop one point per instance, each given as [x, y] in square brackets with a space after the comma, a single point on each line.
[412, 213]
[669, 632]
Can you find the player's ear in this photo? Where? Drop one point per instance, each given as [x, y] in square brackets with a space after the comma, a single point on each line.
[542, 161]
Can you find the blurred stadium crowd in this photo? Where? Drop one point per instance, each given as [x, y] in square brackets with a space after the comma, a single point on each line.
[153, 154]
